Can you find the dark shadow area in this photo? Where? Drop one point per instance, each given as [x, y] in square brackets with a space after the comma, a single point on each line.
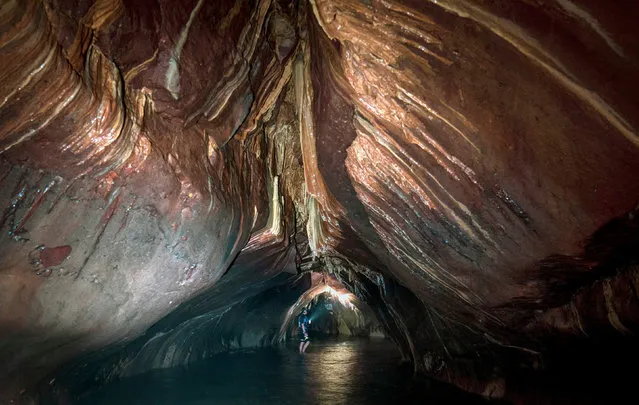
[586, 372]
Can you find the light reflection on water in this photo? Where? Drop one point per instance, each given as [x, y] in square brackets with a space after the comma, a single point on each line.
[332, 370]
[348, 372]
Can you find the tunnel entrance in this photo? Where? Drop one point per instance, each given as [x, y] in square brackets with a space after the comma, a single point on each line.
[335, 317]
[333, 312]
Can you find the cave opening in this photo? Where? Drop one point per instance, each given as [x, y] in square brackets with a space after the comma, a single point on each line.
[332, 310]
[336, 316]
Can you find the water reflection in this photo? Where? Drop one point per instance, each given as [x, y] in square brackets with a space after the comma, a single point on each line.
[332, 370]
[356, 372]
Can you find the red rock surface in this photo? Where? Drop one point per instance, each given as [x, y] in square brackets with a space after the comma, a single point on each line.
[54, 256]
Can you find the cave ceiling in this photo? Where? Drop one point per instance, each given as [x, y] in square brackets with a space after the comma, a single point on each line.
[468, 151]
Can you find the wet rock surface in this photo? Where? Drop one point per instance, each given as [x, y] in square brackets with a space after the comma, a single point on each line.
[465, 168]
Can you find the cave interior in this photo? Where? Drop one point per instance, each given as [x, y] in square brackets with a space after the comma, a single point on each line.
[179, 178]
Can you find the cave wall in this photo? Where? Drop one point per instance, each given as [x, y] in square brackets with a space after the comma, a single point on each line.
[115, 209]
[465, 145]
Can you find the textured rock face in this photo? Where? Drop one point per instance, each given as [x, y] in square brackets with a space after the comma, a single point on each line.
[462, 166]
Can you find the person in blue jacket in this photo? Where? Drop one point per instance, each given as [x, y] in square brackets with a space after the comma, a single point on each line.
[304, 323]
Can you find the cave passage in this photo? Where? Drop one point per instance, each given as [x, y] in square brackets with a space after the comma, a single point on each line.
[350, 360]
[353, 371]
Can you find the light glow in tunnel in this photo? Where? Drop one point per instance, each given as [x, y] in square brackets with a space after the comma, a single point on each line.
[345, 298]
[320, 286]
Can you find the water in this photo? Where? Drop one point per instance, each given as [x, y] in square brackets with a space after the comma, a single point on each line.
[332, 372]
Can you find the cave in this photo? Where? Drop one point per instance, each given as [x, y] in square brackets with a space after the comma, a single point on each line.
[450, 186]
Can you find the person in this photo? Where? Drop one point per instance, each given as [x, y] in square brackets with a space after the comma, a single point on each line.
[303, 323]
